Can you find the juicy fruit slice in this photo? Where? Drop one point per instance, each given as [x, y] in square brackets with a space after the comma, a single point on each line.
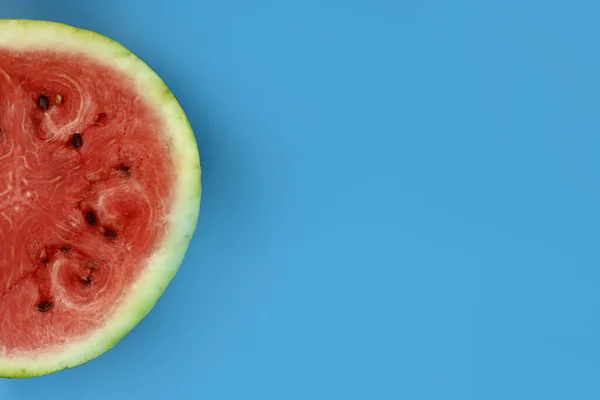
[99, 194]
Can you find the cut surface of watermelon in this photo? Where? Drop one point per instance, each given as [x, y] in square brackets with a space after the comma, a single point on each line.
[100, 187]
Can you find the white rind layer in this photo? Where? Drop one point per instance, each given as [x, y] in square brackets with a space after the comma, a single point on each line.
[164, 263]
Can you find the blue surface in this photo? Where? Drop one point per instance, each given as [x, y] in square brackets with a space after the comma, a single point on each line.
[400, 201]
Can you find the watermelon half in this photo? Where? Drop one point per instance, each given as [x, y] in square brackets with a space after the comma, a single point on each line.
[100, 187]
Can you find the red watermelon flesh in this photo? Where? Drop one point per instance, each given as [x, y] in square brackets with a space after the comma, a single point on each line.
[86, 190]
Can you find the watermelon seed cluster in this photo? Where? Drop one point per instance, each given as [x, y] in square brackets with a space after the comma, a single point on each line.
[90, 216]
[92, 219]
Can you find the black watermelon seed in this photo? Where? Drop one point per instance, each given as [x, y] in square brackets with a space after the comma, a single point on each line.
[44, 306]
[124, 169]
[77, 140]
[110, 234]
[90, 217]
[43, 102]
[87, 281]
[46, 260]
[65, 249]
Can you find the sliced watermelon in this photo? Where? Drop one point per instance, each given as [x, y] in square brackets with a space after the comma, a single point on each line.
[100, 187]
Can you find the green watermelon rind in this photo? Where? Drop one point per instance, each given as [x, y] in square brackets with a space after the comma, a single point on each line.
[19, 34]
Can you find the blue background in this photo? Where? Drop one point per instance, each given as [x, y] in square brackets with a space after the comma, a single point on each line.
[401, 201]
